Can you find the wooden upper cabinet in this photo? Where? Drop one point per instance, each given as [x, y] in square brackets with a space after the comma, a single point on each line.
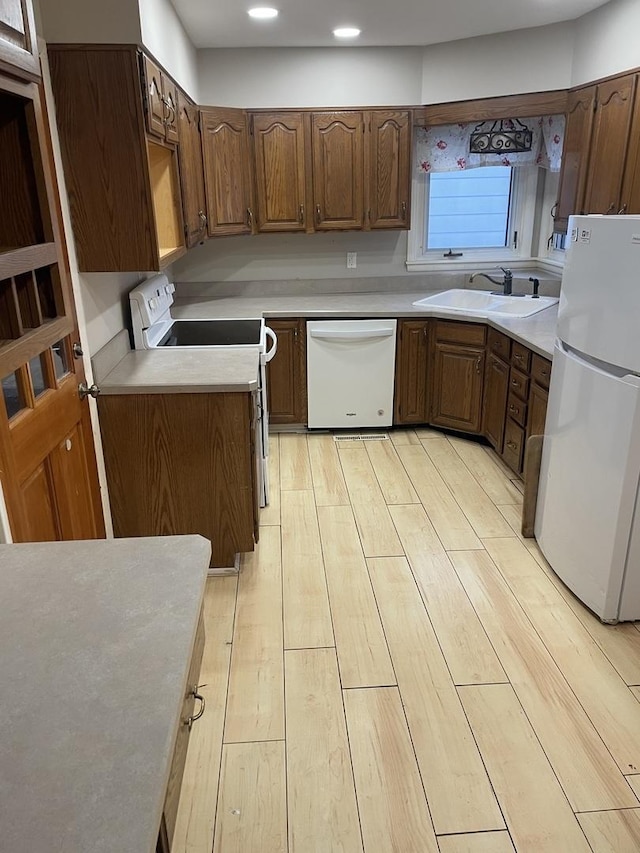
[124, 191]
[389, 173]
[279, 158]
[631, 181]
[18, 45]
[338, 169]
[191, 171]
[161, 100]
[225, 151]
[575, 155]
[612, 120]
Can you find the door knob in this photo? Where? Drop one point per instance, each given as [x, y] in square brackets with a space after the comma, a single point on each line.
[88, 391]
[77, 351]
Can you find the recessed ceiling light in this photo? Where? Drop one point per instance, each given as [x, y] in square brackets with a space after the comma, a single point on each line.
[346, 32]
[263, 12]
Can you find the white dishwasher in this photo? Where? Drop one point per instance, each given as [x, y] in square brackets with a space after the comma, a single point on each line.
[350, 372]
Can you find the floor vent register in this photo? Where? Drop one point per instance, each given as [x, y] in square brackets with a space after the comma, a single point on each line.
[370, 436]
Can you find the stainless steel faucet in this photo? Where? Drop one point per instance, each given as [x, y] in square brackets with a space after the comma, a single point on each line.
[506, 284]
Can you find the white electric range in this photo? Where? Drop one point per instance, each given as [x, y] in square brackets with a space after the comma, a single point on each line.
[154, 326]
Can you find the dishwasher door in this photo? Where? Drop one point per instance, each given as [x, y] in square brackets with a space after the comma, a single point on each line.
[350, 372]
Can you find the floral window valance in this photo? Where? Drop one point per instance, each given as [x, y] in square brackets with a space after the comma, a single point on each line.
[446, 148]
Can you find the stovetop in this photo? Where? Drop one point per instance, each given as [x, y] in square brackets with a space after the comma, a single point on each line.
[213, 333]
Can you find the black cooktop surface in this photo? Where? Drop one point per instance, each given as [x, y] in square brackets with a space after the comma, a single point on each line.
[212, 333]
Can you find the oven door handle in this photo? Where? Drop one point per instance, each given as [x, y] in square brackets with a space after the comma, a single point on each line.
[270, 353]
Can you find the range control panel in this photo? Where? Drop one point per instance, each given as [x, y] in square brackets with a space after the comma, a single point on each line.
[151, 300]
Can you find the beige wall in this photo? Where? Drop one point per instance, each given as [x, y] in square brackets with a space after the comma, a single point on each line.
[165, 37]
[607, 41]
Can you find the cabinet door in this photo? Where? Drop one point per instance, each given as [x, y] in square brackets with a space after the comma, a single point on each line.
[412, 356]
[156, 112]
[225, 152]
[575, 154]
[191, 171]
[338, 170]
[18, 45]
[287, 374]
[538, 398]
[496, 389]
[457, 387]
[631, 182]
[279, 163]
[389, 175]
[170, 97]
[609, 145]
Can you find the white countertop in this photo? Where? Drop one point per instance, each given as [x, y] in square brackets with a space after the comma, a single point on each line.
[96, 641]
[536, 332]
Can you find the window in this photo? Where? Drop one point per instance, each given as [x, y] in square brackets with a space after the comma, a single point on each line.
[469, 209]
[471, 216]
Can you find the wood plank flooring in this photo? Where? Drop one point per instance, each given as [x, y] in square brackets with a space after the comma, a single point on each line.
[397, 671]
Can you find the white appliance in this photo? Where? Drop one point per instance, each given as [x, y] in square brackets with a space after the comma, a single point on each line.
[154, 326]
[350, 372]
[588, 513]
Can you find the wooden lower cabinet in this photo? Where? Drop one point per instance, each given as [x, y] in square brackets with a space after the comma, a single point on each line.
[287, 373]
[496, 389]
[187, 719]
[412, 356]
[182, 463]
[458, 357]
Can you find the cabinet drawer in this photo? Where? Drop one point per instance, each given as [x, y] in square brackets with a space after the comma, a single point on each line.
[499, 344]
[540, 370]
[518, 383]
[517, 410]
[461, 333]
[520, 357]
[513, 445]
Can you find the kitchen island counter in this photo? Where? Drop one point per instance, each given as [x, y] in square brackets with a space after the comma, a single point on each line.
[96, 639]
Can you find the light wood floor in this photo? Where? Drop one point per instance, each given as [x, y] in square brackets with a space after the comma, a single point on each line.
[395, 670]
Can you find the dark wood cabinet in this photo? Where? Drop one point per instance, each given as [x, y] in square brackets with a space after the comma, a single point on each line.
[496, 389]
[124, 190]
[287, 373]
[457, 376]
[203, 482]
[337, 145]
[575, 155]
[388, 171]
[225, 153]
[412, 357]
[18, 44]
[191, 171]
[631, 179]
[280, 167]
[611, 124]
[538, 398]
[161, 101]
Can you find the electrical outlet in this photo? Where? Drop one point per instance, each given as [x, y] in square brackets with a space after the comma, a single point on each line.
[352, 260]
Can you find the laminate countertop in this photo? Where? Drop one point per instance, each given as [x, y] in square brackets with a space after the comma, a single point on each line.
[536, 332]
[96, 641]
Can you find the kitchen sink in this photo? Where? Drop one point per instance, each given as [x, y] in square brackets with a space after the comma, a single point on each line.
[482, 303]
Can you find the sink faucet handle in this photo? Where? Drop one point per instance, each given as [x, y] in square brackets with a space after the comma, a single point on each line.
[508, 281]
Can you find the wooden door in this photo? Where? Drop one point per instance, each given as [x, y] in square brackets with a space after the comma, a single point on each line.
[287, 374]
[538, 398]
[47, 461]
[412, 355]
[631, 181]
[389, 174]
[156, 111]
[191, 171]
[496, 389]
[18, 45]
[225, 152]
[170, 99]
[575, 155]
[611, 125]
[338, 170]
[458, 372]
[279, 160]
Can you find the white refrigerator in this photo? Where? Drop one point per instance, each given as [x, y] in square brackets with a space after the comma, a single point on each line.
[588, 514]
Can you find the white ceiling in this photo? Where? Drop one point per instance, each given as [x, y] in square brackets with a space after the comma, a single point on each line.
[307, 23]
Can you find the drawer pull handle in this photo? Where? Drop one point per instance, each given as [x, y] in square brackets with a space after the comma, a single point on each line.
[518, 357]
[191, 720]
[515, 409]
[512, 445]
[515, 383]
[544, 373]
